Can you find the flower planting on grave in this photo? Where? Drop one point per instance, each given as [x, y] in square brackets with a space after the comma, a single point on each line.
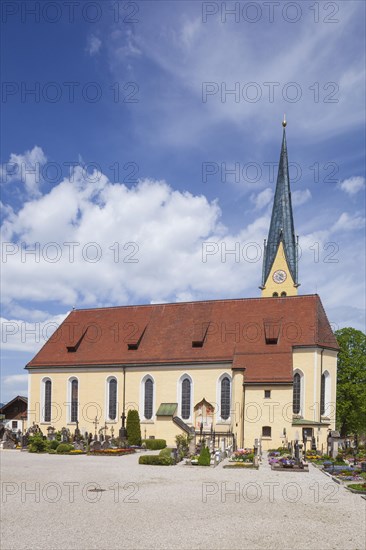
[111, 452]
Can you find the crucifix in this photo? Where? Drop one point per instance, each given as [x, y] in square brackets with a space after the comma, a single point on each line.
[96, 424]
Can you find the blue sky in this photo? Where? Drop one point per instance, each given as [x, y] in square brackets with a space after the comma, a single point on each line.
[165, 159]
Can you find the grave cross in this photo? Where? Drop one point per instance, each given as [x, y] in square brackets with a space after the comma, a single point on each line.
[96, 424]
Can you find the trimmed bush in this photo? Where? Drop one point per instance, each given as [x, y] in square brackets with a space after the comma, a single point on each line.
[156, 460]
[133, 428]
[154, 444]
[53, 444]
[205, 458]
[37, 444]
[166, 452]
[64, 448]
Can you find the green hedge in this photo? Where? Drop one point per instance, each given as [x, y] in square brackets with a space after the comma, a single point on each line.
[166, 452]
[205, 457]
[64, 448]
[53, 444]
[133, 428]
[156, 460]
[154, 444]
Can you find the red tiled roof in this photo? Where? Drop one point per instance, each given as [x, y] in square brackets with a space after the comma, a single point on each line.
[163, 334]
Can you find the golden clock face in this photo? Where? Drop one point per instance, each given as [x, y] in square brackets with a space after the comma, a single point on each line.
[279, 276]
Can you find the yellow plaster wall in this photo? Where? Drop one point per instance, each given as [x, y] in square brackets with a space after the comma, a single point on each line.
[93, 396]
[288, 285]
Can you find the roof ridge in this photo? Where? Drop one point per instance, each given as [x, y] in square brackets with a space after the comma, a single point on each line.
[220, 300]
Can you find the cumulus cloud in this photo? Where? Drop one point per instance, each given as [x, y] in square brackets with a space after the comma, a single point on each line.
[25, 168]
[346, 222]
[351, 186]
[262, 199]
[21, 335]
[114, 244]
[300, 197]
[94, 45]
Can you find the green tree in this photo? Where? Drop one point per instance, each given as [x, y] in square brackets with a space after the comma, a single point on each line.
[351, 381]
[133, 428]
[205, 457]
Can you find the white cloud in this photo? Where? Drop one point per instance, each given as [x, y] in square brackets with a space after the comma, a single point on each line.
[262, 199]
[300, 197]
[28, 336]
[16, 380]
[346, 222]
[94, 45]
[352, 185]
[25, 168]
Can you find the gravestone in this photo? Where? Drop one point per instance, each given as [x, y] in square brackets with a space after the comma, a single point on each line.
[64, 436]
[105, 444]
[95, 445]
[79, 446]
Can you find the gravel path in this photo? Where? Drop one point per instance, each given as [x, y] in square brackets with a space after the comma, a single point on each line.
[148, 507]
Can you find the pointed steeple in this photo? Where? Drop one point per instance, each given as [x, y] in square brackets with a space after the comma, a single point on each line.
[282, 225]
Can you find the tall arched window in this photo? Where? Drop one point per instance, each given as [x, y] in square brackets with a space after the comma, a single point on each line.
[186, 399]
[112, 399]
[296, 403]
[74, 400]
[47, 389]
[225, 397]
[324, 392]
[148, 398]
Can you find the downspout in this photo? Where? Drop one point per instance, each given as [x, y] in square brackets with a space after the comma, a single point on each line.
[243, 412]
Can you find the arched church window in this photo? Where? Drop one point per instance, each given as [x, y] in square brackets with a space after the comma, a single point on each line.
[112, 399]
[225, 397]
[275, 295]
[47, 400]
[283, 294]
[186, 399]
[296, 393]
[74, 400]
[148, 398]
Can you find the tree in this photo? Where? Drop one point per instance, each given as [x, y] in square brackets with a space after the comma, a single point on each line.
[351, 381]
[133, 428]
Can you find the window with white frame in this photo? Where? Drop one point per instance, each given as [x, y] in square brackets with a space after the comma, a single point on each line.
[112, 398]
[74, 399]
[186, 398]
[148, 398]
[47, 399]
[324, 392]
[298, 389]
[225, 397]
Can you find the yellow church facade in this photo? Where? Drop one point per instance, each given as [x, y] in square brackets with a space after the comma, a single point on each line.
[239, 370]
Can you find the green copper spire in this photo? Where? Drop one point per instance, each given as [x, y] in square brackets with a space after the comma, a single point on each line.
[282, 222]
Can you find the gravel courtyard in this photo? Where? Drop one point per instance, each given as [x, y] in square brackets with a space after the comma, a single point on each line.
[48, 502]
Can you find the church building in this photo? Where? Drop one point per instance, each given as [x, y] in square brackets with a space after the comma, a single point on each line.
[242, 369]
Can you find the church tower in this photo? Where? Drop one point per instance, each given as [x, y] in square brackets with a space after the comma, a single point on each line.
[280, 260]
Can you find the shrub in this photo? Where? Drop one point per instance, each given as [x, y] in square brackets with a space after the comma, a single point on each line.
[64, 448]
[53, 444]
[154, 444]
[37, 444]
[133, 428]
[166, 452]
[156, 460]
[205, 458]
[182, 441]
